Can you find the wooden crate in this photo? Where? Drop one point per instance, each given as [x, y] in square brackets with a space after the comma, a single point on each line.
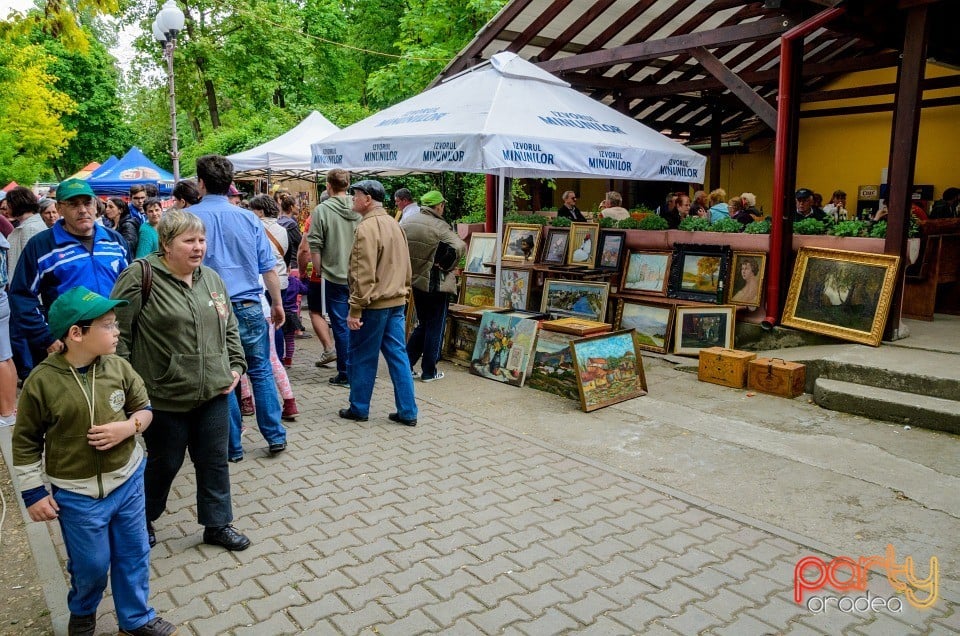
[776, 376]
[726, 367]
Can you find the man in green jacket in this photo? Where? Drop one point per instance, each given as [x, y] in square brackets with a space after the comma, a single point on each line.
[435, 249]
[332, 226]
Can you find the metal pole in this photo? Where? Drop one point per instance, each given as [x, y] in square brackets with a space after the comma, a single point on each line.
[174, 140]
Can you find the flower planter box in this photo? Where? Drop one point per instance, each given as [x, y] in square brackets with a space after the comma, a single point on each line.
[846, 243]
[464, 230]
[647, 240]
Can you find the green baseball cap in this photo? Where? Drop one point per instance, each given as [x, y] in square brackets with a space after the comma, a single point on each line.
[75, 305]
[432, 198]
[73, 188]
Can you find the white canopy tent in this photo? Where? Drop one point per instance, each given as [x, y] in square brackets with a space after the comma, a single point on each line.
[289, 153]
[510, 118]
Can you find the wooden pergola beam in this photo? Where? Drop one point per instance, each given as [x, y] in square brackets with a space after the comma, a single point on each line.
[876, 108]
[753, 101]
[766, 78]
[750, 32]
[874, 90]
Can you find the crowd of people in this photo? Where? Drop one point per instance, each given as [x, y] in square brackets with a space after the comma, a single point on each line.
[125, 319]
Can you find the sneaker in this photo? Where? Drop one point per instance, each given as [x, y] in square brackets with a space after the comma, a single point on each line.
[287, 362]
[340, 380]
[414, 373]
[328, 356]
[290, 410]
[156, 627]
[439, 376]
[303, 335]
[82, 625]
[246, 406]
[226, 537]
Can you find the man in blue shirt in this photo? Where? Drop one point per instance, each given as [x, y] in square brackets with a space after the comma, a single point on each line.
[75, 251]
[239, 250]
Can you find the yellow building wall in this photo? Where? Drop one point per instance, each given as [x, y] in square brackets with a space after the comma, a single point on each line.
[847, 151]
[838, 152]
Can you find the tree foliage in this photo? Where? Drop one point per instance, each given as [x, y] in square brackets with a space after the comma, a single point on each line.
[32, 133]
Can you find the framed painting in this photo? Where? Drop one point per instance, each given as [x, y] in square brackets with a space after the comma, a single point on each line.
[551, 368]
[746, 278]
[703, 327]
[482, 249]
[577, 326]
[611, 249]
[520, 242]
[841, 294]
[504, 347]
[514, 288]
[567, 298]
[478, 290]
[609, 369]
[555, 246]
[582, 246]
[647, 273]
[652, 323]
[699, 272]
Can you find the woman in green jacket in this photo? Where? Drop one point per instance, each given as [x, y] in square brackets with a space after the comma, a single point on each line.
[181, 336]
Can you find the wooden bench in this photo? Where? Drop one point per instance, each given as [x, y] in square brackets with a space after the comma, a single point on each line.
[933, 283]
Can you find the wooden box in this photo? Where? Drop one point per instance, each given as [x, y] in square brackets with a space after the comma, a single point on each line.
[773, 375]
[727, 367]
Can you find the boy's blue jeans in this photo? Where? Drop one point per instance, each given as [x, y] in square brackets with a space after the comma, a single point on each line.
[108, 535]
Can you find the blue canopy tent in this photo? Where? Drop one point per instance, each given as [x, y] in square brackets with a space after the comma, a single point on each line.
[105, 167]
[132, 169]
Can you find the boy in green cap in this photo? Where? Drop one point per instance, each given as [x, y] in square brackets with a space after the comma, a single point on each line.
[79, 412]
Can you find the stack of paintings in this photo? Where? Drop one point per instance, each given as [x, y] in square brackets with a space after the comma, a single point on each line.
[504, 346]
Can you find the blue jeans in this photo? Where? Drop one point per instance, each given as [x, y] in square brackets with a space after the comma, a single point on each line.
[338, 298]
[427, 337]
[255, 338]
[383, 330]
[202, 431]
[108, 535]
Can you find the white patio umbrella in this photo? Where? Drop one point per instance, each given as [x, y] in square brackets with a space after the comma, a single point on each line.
[510, 118]
[289, 152]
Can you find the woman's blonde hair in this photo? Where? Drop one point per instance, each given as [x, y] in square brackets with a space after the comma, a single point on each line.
[718, 196]
[175, 222]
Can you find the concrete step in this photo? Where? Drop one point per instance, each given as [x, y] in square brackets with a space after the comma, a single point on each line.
[888, 405]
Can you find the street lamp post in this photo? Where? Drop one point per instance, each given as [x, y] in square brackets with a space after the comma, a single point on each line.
[167, 24]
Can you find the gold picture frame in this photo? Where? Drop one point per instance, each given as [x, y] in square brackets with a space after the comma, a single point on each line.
[841, 294]
[582, 245]
[521, 242]
[746, 285]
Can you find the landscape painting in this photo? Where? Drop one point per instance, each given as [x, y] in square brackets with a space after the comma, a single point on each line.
[697, 272]
[563, 298]
[841, 294]
[478, 291]
[647, 272]
[551, 369]
[504, 347]
[652, 323]
[701, 328]
[481, 250]
[609, 369]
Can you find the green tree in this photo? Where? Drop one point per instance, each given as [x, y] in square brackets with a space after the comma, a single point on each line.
[91, 80]
[31, 132]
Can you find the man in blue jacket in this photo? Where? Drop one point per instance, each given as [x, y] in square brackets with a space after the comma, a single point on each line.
[75, 251]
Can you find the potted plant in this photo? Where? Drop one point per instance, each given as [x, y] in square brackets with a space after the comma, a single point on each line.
[473, 222]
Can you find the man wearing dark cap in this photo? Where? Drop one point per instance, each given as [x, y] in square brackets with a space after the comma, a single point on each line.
[75, 251]
[379, 280]
[946, 208]
[805, 208]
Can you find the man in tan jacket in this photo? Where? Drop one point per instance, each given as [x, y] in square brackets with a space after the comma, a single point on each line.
[379, 279]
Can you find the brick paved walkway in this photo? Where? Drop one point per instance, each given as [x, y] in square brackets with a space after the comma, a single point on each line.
[461, 527]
